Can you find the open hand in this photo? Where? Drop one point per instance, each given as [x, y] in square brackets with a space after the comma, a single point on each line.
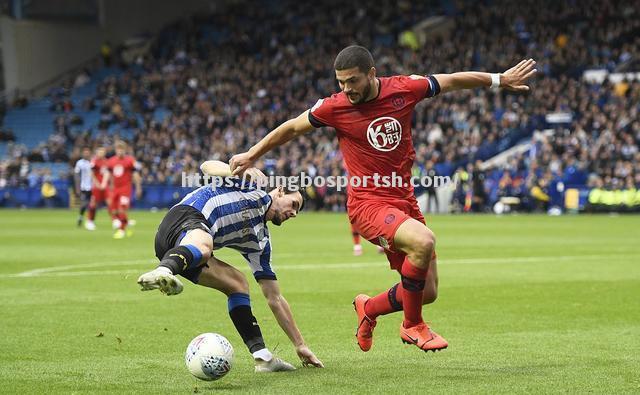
[516, 77]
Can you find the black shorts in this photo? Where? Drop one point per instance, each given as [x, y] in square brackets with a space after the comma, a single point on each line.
[178, 221]
[85, 197]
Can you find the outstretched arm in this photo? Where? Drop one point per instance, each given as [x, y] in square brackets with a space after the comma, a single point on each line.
[287, 131]
[514, 79]
[281, 310]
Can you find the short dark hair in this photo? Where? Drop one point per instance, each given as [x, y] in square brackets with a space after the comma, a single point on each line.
[288, 189]
[354, 56]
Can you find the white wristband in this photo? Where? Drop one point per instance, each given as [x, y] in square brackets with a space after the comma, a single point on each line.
[495, 80]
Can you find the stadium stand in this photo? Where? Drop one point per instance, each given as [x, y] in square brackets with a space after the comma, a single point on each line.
[213, 85]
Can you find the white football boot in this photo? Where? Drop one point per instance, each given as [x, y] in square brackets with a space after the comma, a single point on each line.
[160, 278]
[273, 365]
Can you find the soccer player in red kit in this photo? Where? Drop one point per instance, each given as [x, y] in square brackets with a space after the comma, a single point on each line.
[372, 119]
[124, 170]
[99, 190]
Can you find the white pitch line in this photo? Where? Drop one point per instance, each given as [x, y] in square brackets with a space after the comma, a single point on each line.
[60, 271]
[44, 270]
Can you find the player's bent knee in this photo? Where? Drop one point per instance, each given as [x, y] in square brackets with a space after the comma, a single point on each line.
[423, 246]
[205, 250]
[428, 243]
[202, 242]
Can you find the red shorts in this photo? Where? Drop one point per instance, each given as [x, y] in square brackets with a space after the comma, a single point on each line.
[378, 221]
[120, 198]
[100, 195]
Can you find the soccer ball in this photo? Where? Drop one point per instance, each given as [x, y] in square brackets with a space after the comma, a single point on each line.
[209, 356]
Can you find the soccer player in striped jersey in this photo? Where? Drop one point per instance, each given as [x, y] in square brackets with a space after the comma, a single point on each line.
[83, 181]
[235, 216]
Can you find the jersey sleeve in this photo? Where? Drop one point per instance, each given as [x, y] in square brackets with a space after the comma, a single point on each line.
[260, 263]
[321, 114]
[77, 169]
[422, 87]
[134, 164]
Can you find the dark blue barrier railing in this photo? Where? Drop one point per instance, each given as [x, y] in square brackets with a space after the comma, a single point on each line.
[160, 196]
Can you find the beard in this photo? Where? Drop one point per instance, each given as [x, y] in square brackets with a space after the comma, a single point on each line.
[364, 95]
[277, 220]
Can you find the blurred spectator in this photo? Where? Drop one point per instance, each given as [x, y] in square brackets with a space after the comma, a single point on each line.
[19, 100]
[48, 191]
[479, 193]
[106, 53]
[82, 79]
[430, 172]
[7, 135]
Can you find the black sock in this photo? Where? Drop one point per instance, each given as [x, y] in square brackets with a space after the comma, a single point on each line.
[179, 258]
[392, 294]
[244, 321]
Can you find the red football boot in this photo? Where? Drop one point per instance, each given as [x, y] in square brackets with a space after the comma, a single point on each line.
[364, 333]
[423, 337]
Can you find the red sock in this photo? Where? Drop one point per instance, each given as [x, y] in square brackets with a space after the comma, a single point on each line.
[413, 279]
[92, 213]
[356, 238]
[123, 220]
[386, 302]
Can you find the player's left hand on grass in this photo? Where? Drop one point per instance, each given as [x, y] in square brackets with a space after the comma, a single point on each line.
[515, 78]
[307, 357]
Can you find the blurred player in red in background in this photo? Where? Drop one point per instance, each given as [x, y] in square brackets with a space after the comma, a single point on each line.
[357, 247]
[372, 118]
[124, 171]
[99, 190]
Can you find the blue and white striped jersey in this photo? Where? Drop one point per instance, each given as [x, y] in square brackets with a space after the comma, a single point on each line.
[236, 217]
[83, 168]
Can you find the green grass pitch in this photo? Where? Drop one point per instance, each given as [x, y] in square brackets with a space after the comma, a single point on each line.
[528, 304]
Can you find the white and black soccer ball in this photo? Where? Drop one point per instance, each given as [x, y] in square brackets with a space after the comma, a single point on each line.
[209, 356]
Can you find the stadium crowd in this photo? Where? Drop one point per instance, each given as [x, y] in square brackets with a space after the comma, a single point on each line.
[224, 80]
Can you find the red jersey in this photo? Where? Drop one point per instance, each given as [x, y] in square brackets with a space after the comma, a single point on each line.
[122, 171]
[375, 137]
[99, 167]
